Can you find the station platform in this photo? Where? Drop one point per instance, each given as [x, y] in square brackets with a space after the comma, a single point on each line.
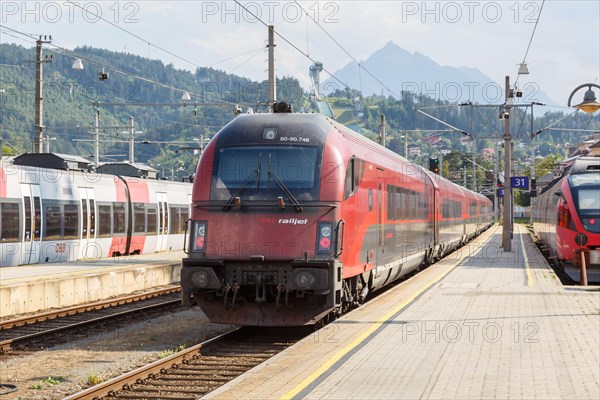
[480, 324]
[32, 288]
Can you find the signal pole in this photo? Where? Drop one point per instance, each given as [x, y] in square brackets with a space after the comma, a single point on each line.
[382, 130]
[272, 81]
[38, 135]
[507, 214]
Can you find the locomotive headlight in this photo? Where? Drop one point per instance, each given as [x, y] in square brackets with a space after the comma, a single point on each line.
[325, 237]
[309, 279]
[304, 280]
[200, 279]
[326, 231]
[198, 236]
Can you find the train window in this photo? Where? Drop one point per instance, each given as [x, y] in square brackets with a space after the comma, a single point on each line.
[370, 199]
[354, 173]
[104, 220]
[174, 220]
[151, 215]
[349, 180]
[139, 218]
[404, 204]
[53, 222]
[9, 226]
[119, 218]
[71, 227]
[296, 167]
[183, 212]
[589, 199]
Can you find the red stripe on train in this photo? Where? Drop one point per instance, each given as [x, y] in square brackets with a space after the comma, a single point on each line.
[138, 190]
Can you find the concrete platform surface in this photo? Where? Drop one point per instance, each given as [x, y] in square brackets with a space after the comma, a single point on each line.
[480, 324]
[33, 288]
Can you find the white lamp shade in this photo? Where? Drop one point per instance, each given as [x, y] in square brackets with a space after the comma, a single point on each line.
[523, 70]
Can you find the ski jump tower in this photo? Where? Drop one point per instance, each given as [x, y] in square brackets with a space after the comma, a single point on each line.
[314, 72]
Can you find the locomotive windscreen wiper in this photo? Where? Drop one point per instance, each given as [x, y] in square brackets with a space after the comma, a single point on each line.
[254, 175]
[283, 188]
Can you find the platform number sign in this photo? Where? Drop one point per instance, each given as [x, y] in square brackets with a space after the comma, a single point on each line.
[519, 182]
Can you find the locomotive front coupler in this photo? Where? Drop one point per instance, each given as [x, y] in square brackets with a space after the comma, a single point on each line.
[260, 287]
[236, 289]
[227, 289]
[280, 289]
[225, 294]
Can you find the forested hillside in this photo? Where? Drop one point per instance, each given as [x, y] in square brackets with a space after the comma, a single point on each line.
[151, 93]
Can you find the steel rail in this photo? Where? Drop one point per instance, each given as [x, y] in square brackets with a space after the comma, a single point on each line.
[80, 310]
[123, 381]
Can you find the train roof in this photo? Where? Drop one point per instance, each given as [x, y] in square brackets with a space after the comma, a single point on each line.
[253, 126]
[136, 170]
[584, 165]
[53, 161]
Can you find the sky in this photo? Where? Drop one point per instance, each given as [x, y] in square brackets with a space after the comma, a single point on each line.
[492, 36]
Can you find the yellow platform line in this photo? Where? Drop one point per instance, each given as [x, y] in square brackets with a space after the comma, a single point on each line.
[527, 267]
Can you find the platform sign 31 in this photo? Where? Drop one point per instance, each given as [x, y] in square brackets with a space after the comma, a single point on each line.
[519, 182]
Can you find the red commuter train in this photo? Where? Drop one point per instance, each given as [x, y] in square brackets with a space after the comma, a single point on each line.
[296, 218]
[568, 206]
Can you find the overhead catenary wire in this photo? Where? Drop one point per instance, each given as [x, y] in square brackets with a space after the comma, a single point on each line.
[288, 42]
[150, 44]
[537, 20]
[69, 53]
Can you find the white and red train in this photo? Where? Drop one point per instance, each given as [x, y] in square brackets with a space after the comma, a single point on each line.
[568, 206]
[296, 218]
[62, 215]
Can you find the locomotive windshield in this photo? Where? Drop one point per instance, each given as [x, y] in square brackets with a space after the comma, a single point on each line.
[266, 172]
[586, 194]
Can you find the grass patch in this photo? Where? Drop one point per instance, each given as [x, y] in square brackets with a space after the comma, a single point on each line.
[93, 379]
[53, 380]
[170, 352]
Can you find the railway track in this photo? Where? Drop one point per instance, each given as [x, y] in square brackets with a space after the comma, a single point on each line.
[20, 331]
[200, 369]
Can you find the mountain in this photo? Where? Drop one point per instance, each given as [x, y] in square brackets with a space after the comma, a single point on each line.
[402, 72]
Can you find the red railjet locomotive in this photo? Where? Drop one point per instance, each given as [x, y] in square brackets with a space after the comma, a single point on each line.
[296, 218]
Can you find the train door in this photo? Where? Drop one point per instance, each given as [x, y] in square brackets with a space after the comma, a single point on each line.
[163, 221]
[89, 248]
[32, 212]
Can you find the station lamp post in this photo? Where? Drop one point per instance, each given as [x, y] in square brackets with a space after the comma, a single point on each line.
[507, 223]
[589, 103]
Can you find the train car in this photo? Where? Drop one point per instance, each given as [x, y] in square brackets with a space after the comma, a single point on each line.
[296, 218]
[62, 215]
[568, 206]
